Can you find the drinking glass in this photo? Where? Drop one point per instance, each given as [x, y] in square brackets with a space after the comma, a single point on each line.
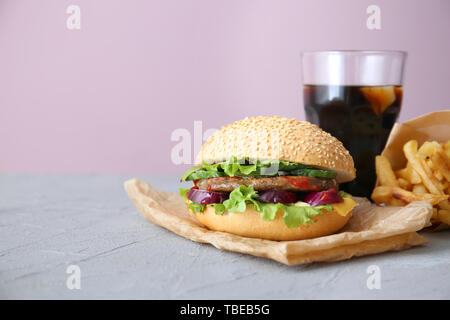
[356, 96]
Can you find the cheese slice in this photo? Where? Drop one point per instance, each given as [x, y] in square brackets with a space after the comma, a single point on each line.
[343, 208]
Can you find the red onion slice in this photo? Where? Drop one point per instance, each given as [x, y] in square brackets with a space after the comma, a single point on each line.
[323, 197]
[206, 197]
[277, 196]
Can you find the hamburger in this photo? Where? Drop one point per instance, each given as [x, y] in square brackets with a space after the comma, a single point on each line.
[271, 178]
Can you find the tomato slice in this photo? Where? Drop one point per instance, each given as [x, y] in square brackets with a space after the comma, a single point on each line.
[300, 182]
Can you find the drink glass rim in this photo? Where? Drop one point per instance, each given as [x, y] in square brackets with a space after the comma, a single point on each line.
[362, 52]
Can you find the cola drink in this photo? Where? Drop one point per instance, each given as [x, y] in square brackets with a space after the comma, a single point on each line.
[359, 116]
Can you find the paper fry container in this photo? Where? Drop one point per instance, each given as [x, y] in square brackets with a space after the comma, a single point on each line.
[371, 229]
[432, 126]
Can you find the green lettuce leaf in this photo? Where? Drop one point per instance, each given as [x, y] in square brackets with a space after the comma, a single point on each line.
[190, 171]
[240, 197]
[343, 194]
[183, 192]
[196, 207]
[219, 208]
[269, 210]
[294, 216]
[246, 167]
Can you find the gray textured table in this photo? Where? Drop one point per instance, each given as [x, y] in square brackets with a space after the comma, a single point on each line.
[48, 222]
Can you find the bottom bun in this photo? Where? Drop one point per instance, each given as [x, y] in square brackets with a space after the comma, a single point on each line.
[250, 224]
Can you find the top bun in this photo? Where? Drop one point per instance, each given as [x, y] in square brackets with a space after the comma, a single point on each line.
[277, 138]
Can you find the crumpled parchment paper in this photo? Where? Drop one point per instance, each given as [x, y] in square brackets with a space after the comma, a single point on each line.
[370, 230]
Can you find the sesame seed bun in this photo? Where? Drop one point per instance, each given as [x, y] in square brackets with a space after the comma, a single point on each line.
[250, 224]
[277, 138]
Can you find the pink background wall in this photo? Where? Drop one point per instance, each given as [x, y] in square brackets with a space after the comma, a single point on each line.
[106, 98]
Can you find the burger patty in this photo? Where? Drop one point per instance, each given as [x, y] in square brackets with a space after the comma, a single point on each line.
[288, 183]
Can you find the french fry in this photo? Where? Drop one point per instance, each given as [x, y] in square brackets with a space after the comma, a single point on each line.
[419, 165]
[414, 177]
[405, 184]
[408, 196]
[446, 147]
[430, 164]
[384, 171]
[402, 173]
[419, 189]
[438, 175]
[435, 215]
[445, 205]
[396, 202]
[444, 216]
[409, 174]
[447, 152]
[382, 194]
[441, 164]
[428, 148]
